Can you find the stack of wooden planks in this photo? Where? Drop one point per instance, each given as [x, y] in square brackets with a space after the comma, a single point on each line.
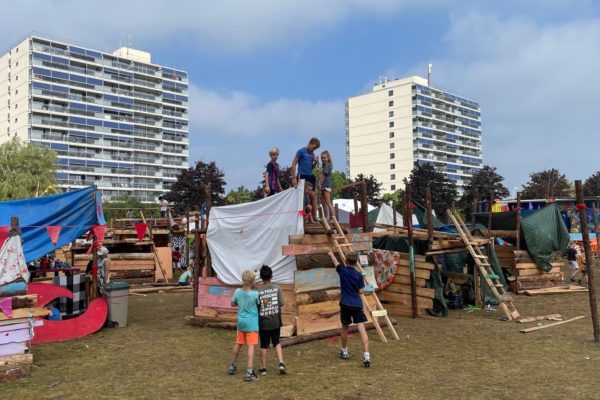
[397, 295]
[525, 274]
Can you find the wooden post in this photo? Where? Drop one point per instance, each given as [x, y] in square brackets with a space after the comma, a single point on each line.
[208, 197]
[394, 213]
[596, 229]
[473, 210]
[489, 224]
[337, 212]
[196, 269]
[518, 244]
[355, 198]
[429, 216]
[364, 202]
[588, 259]
[411, 248]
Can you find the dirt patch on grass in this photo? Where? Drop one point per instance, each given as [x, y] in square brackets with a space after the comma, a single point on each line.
[465, 356]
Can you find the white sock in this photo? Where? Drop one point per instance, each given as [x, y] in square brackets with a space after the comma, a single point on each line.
[344, 349]
[367, 355]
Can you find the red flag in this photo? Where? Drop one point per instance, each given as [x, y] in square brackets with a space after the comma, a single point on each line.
[3, 234]
[100, 232]
[54, 233]
[141, 230]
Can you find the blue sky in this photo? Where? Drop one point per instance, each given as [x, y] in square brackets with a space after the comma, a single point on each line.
[275, 73]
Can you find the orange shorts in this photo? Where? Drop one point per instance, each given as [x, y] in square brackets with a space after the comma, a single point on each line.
[247, 338]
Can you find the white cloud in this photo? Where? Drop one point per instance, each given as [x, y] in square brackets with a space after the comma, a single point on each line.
[536, 84]
[237, 130]
[229, 26]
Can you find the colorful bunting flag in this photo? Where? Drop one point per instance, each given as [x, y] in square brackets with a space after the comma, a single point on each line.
[141, 230]
[54, 233]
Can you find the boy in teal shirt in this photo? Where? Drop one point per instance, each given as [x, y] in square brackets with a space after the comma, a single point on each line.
[246, 300]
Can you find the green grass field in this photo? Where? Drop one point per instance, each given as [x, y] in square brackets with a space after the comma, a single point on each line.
[465, 356]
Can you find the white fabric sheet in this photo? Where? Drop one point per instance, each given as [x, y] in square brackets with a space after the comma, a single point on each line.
[386, 217]
[12, 261]
[246, 236]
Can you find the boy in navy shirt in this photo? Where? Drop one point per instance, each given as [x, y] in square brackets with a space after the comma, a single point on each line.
[271, 175]
[306, 160]
[351, 306]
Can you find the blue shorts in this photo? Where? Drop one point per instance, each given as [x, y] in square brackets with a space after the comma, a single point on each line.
[310, 178]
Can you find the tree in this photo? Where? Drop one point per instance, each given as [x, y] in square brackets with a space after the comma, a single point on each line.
[395, 199]
[591, 186]
[486, 182]
[240, 195]
[373, 190]
[547, 184]
[26, 170]
[443, 190]
[189, 189]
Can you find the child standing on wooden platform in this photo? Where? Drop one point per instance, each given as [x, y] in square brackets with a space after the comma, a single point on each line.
[272, 185]
[351, 307]
[246, 300]
[325, 182]
[271, 301]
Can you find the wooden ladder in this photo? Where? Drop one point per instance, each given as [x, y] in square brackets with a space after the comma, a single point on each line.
[485, 268]
[343, 246]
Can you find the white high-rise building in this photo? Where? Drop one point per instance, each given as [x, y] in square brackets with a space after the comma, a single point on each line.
[115, 119]
[404, 121]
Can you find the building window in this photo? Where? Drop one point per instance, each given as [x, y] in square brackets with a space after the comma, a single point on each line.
[390, 92]
[392, 166]
[16, 119]
[393, 187]
[16, 105]
[16, 91]
[390, 114]
[17, 78]
[393, 177]
[17, 64]
[391, 103]
[392, 155]
[392, 145]
[391, 124]
[17, 50]
[391, 135]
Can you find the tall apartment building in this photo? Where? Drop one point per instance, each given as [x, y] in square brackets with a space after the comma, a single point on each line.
[115, 119]
[404, 121]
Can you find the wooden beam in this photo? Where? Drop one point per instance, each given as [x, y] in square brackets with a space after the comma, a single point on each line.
[551, 317]
[537, 328]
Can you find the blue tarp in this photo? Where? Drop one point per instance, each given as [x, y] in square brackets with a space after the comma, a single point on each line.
[75, 212]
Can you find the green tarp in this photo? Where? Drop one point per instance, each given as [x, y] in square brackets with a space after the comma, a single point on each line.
[545, 232]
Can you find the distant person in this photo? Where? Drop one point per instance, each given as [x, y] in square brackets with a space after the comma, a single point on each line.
[164, 206]
[246, 300]
[308, 209]
[103, 265]
[351, 307]
[571, 254]
[272, 185]
[55, 314]
[306, 160]
[185, 278]
[176, 258]
[269, 319]
[325, 182]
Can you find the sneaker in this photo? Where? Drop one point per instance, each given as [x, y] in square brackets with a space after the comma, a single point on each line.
[367, 363]
[282, 369]
[262, 371]
[344, 355]
[232, 369]
[250, 377]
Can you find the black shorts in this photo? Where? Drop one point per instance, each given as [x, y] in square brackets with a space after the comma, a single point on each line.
[350, 315]
[310, 178]
[267, 337]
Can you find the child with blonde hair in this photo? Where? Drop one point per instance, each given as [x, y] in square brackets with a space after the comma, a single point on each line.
[271, 175]
[325, 182]
[246, 300]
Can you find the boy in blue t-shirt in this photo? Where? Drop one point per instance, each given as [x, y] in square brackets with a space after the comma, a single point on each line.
[351, 307]
[246, 300]
[306, 160]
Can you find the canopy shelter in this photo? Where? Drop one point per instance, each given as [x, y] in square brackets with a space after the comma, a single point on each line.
[50, 222]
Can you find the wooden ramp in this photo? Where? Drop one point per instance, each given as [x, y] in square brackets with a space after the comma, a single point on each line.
[342, 245]
[484, 268]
